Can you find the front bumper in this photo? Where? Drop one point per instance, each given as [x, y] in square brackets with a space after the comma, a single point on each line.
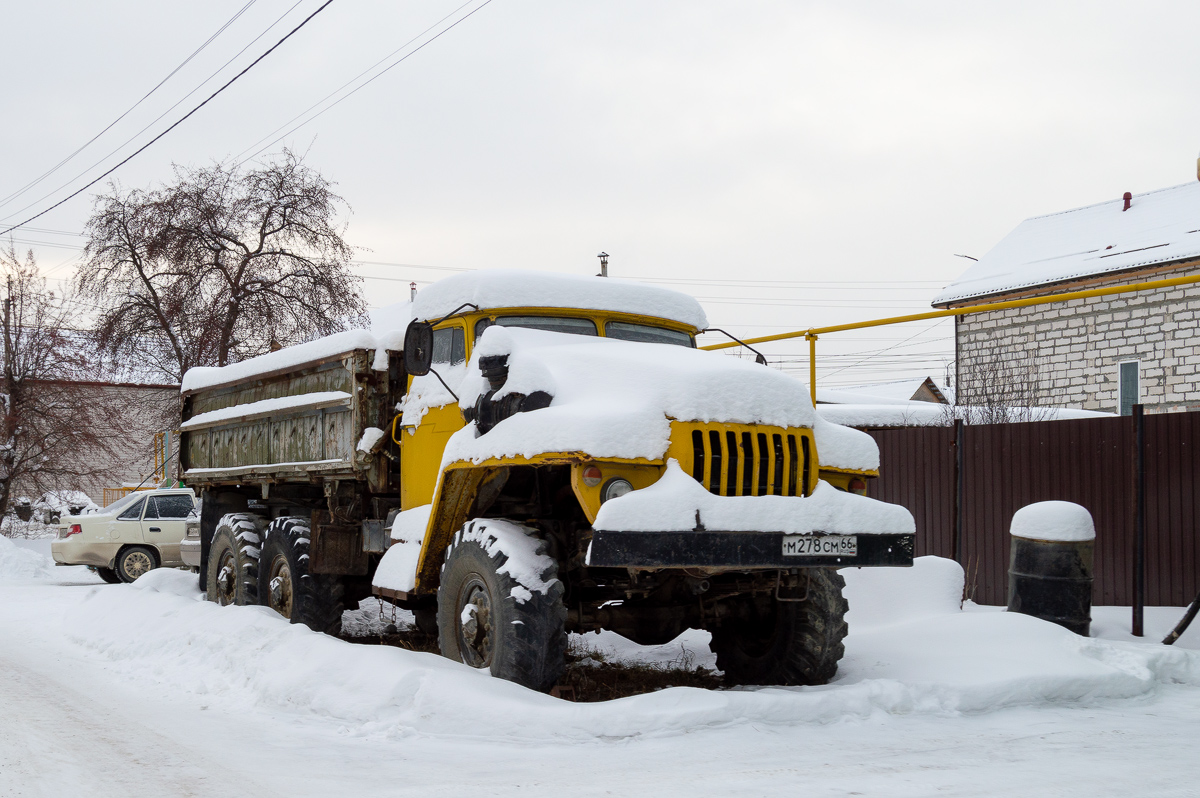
[736, 551]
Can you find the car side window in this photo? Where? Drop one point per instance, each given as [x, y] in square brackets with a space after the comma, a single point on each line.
[133, 512]
[177, 506]
[151, 509]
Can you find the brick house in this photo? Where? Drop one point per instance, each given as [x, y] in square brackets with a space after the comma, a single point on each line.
[1104, 353]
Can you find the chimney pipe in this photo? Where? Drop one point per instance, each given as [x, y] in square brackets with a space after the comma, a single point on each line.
[603, 256]
[1128, 201]
[412, 292]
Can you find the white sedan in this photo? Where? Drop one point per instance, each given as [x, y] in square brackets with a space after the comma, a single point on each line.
[129, 537]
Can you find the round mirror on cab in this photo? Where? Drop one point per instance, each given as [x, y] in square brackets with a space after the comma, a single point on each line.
[418, 348]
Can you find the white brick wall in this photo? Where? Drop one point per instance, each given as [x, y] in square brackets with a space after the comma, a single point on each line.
[1079, 344]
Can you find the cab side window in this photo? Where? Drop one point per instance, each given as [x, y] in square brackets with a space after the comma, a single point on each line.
[171, 506]
[449, 346]
[133, 512]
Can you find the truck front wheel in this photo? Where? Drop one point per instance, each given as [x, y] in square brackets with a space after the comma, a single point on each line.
[792, 643]
[286, 586]
[500, 604]
[233, 560]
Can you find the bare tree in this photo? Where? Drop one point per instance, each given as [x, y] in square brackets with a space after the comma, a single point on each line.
[51, 434]
[215, 266]
[1002, 382]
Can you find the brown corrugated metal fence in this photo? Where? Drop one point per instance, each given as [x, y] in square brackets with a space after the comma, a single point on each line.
[963, 501]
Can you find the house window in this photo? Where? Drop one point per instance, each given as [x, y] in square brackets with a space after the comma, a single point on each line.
[1129, 388]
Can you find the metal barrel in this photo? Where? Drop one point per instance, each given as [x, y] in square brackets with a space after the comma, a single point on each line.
[1052, 580]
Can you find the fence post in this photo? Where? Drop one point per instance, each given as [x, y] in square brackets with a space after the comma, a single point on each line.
[958, 487]
[1139, 488]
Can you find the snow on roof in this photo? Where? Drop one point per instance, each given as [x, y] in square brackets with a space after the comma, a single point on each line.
[512, 288]
[893, 392]
[1160, 227]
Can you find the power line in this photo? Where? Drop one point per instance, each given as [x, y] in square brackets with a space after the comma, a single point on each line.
[356, 77]
[391, 66]
[146, 96]
[156, 119]
[176, 124]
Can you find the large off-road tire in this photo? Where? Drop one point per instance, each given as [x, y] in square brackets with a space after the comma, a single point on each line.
[487, 618]
[135, 561]
[233, 560]
[795, 642]
[107, 574]
[286, 586]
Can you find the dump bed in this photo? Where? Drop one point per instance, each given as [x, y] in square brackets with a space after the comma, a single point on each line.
[299, 422]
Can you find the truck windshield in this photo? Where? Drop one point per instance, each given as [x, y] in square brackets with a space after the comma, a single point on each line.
[645, 333]
[548, 323]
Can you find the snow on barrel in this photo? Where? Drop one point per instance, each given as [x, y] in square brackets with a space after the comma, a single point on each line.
[1050, 568]
[1060, 521]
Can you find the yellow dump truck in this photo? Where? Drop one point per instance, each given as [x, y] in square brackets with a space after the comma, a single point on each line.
[516, 456]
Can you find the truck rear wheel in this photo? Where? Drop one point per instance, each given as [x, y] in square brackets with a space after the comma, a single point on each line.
[286, 586]
[488, 619]
[233, 560]
[796, 642]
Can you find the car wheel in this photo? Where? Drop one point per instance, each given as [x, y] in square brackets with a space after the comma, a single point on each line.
[133, 562]
[286, 586]
[107, 574]
[233, 560]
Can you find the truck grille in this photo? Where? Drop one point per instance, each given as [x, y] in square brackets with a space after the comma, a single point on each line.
[742, 460]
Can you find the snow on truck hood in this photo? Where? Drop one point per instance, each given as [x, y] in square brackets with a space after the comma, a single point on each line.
[515, 288]
[617, 398]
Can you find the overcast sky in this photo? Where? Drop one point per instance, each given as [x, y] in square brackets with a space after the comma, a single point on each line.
[791, 164]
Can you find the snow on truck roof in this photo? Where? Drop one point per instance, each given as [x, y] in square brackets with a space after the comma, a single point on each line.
[500, 288]
[513, 288]
[1160, 227]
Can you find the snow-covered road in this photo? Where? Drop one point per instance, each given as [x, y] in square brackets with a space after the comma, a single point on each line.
[126, 690]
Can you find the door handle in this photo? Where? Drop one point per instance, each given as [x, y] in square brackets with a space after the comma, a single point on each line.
[155, 529]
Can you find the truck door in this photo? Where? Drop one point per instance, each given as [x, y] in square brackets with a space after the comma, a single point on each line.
[421, 446]
[163, 524]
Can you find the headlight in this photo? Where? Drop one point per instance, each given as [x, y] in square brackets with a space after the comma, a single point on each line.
[615, 488]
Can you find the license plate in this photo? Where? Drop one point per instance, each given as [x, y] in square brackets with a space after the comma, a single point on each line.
[820, 545]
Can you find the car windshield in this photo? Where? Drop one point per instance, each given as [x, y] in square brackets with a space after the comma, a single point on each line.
[644, 332]
[549, 323]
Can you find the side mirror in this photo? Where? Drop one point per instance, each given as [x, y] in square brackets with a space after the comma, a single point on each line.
[418, 348]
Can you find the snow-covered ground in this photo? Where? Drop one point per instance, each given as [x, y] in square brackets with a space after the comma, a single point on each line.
[145, 689]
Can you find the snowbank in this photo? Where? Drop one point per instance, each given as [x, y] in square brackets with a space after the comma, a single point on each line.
[1053, 520]
[924, 658]
[17, 562]
[885, 596]
[616, 398]
[676, 501]
[513, 288]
